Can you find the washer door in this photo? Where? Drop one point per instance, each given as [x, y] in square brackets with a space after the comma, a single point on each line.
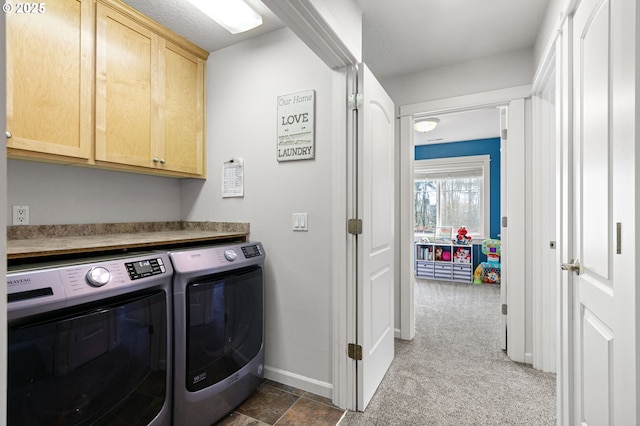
[106, 362]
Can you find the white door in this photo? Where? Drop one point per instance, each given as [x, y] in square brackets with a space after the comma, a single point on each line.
[375, 276]
[603, 284]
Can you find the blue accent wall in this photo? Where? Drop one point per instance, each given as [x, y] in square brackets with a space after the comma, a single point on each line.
[489, 146]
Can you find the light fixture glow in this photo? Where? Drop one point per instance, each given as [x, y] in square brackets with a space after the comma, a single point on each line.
[234, 15]
[425, 124]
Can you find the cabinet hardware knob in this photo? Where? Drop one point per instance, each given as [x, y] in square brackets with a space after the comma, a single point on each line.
[8, 134]
[156, 160]
[162, 161]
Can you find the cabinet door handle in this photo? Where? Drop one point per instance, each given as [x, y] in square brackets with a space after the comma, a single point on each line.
[162, 161]
[8, 134]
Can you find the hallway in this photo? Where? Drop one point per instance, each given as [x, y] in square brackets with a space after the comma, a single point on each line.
[453, 372]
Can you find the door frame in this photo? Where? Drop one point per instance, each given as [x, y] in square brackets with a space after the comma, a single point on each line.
[516, 295]
[545, 181]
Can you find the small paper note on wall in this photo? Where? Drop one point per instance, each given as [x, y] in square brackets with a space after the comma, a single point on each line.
[296, 126]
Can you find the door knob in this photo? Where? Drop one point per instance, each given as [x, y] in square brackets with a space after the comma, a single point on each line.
[8, 134]
[572, 266]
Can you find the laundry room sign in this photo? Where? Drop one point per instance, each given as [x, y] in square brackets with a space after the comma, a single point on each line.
[296, 126]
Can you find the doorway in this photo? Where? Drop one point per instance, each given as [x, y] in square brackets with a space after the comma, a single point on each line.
[457, 175]
[513, 198]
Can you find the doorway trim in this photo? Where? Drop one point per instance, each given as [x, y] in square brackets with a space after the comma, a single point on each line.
[501, 97]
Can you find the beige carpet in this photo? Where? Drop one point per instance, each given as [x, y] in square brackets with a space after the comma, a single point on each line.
[453, 372]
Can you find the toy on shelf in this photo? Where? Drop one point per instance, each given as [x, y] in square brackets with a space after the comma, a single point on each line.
[462, 238]
[462, 255]
[489, 271]
[438, 253]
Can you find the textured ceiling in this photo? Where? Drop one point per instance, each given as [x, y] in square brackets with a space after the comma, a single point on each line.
[188, 21]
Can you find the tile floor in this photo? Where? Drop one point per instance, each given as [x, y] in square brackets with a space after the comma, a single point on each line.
[276, 404]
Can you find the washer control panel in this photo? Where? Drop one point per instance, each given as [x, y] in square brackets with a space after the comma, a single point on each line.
[145, 268]
[38, 288]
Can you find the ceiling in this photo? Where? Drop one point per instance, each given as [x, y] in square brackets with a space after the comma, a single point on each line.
[188, 21]
[399, 37]
[481, 123]
[406, 36]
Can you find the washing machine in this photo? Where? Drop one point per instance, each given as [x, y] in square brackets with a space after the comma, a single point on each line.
[90, 342]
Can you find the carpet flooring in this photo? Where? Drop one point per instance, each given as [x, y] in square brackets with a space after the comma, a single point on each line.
[454, 372]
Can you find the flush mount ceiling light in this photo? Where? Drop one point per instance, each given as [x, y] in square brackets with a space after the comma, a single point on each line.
[425, 124]
[234, 15]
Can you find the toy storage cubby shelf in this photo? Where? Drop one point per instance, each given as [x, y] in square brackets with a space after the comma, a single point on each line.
[442, 261]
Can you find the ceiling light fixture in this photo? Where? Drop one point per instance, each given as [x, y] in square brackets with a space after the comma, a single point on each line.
[425, 124]
[235, 16]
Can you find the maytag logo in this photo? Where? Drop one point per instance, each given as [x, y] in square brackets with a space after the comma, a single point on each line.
[200, 377]
[18, 281]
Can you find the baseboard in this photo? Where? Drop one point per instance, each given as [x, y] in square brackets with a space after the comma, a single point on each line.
[297, 381]
[528, 358]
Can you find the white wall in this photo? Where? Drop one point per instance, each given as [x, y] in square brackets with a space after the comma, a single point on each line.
[482, 75]
[58, 194]
[243, 83]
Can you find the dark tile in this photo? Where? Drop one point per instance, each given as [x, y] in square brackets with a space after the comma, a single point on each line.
[317, 398]
[285, 388]
[267, 404]
[311, 413]
[239, 419]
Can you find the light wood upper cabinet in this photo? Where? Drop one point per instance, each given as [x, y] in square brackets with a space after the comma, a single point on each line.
[126, 54]
[98, 83]
[149, 97]
[50, 81]
[183, 110]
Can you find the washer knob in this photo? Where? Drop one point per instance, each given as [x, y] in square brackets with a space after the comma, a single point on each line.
[230, 255]
[98, 276]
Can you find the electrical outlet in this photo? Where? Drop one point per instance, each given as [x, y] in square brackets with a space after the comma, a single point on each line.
[20, 215]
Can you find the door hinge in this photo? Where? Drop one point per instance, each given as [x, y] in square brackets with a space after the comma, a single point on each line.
[504, 134]
[354, 226]
[504, 309]
[355, 351]
[355, 100]
[504, 221]
[619, 238]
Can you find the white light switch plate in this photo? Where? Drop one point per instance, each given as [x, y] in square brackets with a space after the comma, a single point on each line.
[300, 222]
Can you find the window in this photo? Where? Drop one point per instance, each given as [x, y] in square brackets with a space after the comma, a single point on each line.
[452, 192]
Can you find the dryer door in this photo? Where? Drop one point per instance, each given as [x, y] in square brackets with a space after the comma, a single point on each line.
[224, 325]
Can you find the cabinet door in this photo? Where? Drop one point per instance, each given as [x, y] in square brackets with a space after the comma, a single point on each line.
[183, 149]
[127, 112]
[50, 80]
